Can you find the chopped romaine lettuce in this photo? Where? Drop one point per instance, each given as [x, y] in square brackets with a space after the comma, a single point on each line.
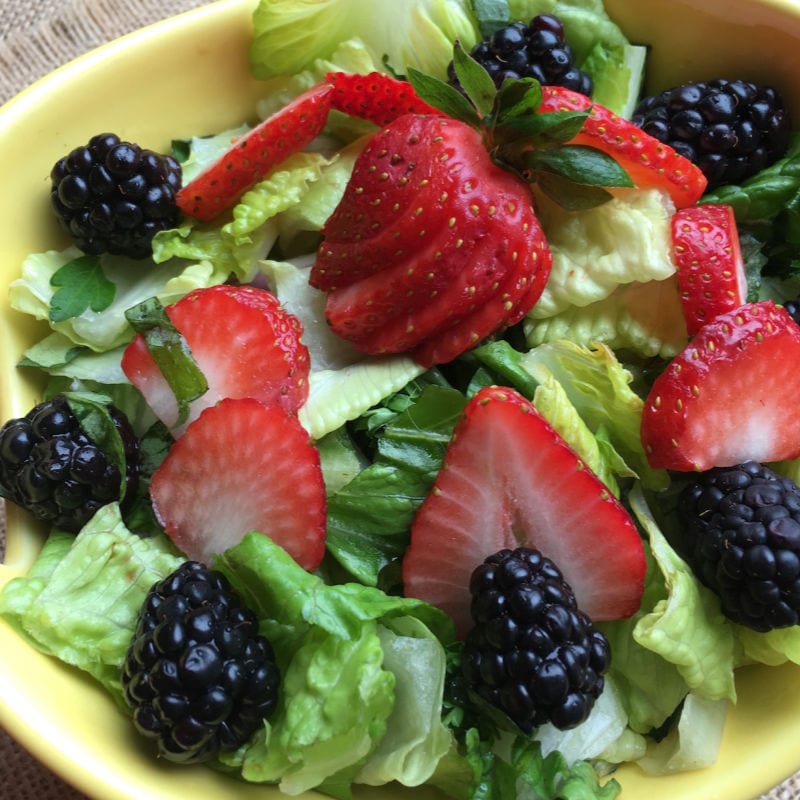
[290, 35]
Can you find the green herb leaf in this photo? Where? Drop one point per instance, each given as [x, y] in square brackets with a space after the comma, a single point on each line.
[492, 15]
[82, 284]
[570, 195]
[443, 96]
[170, 352]
[517, 98]
[475, 81]
[581, 164]
[91, 411]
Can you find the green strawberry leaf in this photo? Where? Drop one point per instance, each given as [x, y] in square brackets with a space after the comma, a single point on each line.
[546, 130]
[475, 81]
[91, 411]
[82, 284]
[492, 15]
[170, 352]
[517, 99]
[581, 164]
[443, 96]
[570, 195]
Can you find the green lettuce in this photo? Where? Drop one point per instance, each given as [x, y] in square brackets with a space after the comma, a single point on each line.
[290, 36]
[81, 599]
[32, 293]
[599, 388]
[595, 251]
[339, 691]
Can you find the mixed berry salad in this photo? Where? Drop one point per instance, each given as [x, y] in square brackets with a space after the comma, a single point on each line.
[436, 430]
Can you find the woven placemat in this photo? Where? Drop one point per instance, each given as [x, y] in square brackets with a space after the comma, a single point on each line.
[36, 36]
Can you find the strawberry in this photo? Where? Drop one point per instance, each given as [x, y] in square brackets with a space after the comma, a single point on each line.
[252, 156]
[649, 162]
[509, 479]
[376, 97]
[428, 231]
[710, 273]
[243, 342]
[730, 396]
[242, 466]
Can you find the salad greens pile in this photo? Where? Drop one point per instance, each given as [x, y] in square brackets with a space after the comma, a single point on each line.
[367, 691]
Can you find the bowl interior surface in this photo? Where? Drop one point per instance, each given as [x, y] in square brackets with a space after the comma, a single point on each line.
[190, 76]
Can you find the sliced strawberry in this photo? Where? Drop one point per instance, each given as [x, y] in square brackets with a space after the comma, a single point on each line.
[730, 396]
[649, 162]
[463, 228]
[708, 257]
[241, 467]
[376, 97]
[509, 479]
[255, 154]
[244, 343]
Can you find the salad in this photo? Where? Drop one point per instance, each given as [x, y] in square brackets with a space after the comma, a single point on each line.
[381, 425]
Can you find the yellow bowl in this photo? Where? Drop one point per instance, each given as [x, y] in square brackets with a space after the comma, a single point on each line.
[190, 76]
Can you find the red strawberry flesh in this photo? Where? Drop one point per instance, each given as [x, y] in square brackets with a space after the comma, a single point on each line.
[730, 395]
[508, 479]
[709, 261]
[649, 162]
[244, 343]
[255, 154]
[241, 467]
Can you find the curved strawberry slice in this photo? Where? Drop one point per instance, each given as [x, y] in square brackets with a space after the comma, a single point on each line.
[242, 467]
[253, 155]
[711, 278]
[649, 162]
[509, 479]
[376, 97]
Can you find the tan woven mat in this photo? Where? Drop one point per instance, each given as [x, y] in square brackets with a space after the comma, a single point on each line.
[36, 36]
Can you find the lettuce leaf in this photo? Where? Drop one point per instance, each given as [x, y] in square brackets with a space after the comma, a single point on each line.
[290, 35]
[626, 239]
[32, 293]
[81, 599]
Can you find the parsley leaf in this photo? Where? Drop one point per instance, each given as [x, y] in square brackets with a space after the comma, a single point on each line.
[82, 284]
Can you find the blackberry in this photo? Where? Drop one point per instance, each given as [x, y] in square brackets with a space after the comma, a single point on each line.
[532, 653]
[198, 675]
[793, 309]
[536, 50]
[741, 536]
[50, 467]
[113, 196]
[730, 129]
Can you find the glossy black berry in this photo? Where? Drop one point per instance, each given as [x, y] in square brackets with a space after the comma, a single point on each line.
[198, 676]
[50, 467]
[741, 535]
[114, 196]
[532, 653]
[536, 50]
[730, 129]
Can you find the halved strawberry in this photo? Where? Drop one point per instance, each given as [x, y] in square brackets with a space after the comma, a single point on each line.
[730, 396]
[509, 479]
[244, 343]
[427, 183]
[649, 162]
[708, 257]
[252, 156]
[241, 467]
[376, 97]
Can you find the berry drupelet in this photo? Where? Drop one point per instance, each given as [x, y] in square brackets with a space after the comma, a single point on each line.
[198, 676]
[50, 467]
[741, 535]
[730, 129]
[532, 653]
[114, 196]
[536, 50]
